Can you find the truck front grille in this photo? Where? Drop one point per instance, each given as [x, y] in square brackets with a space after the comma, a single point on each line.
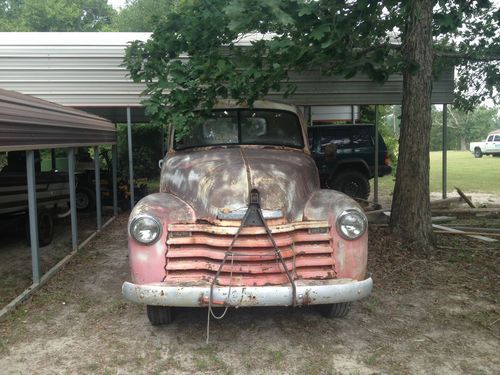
[196, 251]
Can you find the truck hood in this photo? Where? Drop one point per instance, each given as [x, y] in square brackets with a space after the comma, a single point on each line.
[220, 179]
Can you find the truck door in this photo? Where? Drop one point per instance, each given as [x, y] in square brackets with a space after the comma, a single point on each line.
[495, 145]
[488, 146]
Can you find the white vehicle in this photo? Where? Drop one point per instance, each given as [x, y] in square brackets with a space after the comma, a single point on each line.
[491, 146]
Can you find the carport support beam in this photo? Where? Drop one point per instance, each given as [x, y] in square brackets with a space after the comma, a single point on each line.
[375, 179]
[445, 147]
[97, 170]
[72, 198]
[114, 162]
[130, 160]
[33, 216]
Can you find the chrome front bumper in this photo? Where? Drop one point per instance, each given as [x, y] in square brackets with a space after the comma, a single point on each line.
[197, 294]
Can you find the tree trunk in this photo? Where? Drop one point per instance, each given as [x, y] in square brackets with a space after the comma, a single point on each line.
[411, 213]
[463, 144]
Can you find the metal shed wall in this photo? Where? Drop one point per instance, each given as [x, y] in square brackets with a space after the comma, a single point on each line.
[84, 70]
[29, 123]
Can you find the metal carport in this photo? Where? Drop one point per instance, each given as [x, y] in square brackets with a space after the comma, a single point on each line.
[85, 71]
[28, 124]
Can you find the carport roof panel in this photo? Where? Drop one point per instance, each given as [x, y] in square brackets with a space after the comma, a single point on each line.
[29, 123]
[85, 70]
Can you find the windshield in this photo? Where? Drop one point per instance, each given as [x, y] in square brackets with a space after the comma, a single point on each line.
[245, 127]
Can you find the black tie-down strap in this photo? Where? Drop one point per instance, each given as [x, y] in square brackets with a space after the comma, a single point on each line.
[253, 218]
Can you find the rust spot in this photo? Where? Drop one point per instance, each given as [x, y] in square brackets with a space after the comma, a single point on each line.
[306, 300]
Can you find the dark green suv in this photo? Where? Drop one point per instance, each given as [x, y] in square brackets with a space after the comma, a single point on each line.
[345, 156]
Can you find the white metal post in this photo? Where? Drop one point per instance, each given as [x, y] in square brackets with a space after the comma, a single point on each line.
[130, 160]
[72, 198]
[97, 171]
[33, 216]
[445, 147]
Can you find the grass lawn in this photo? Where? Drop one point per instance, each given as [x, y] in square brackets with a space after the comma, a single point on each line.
[464, 171]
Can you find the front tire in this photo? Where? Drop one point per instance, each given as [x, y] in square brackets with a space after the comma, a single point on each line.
[352, 183]
[478, 153]
[159, 315]
[334, 310]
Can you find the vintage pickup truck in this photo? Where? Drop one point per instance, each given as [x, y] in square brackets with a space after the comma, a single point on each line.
[240, 220]
[491, 146]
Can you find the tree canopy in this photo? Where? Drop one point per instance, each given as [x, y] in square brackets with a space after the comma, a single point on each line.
[55, 15]
[142, 15]
[374, 38]
[346, 37]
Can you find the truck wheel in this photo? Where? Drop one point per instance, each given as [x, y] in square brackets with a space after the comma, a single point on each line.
[353, 183]
[159, 315]
[478, 153]
[85, 199]
[45, 228]
[334, 310]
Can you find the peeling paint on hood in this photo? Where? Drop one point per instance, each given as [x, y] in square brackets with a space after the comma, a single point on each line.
[220, 179]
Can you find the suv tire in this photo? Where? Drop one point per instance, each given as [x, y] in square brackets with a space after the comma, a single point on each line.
[159, 315]
[478, 153]
[353, 183]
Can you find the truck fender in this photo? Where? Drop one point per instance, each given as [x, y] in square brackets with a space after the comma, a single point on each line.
[147, 262]
[350, 255]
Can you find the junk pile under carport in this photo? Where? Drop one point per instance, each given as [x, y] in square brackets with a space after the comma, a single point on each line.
[27, 126]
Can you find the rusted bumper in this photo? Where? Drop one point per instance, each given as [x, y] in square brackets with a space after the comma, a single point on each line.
[309, 292]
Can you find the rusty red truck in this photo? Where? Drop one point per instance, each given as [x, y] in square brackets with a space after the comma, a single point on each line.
[240, 220]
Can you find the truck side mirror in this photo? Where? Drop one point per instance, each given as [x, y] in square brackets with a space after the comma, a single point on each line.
[330, 151]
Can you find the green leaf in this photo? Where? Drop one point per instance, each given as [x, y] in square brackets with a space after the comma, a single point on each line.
[320, 31]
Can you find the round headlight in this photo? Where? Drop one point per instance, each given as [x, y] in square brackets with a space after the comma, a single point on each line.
[351, 224]
[145, 229]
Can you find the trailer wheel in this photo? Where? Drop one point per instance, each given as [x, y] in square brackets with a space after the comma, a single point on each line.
[159, 315]
[334, 310]
[85, 199]
[45, 228]
[478, 153]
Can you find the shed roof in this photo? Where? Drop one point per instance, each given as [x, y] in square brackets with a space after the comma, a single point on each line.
[29, 123]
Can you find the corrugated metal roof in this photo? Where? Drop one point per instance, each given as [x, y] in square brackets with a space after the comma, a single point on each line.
[85, 70]
[29, 123]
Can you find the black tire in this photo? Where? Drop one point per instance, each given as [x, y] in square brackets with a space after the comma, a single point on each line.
[353, 183]
[334, 310]
[85, 199]
[45, 228]
[478, 153]
[159, 315]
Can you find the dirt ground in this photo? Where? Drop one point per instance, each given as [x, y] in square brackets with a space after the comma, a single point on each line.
[15, 253]
[428, 314]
